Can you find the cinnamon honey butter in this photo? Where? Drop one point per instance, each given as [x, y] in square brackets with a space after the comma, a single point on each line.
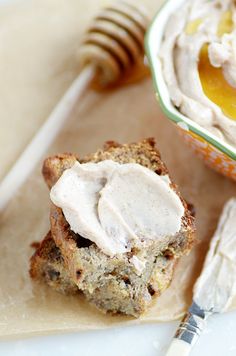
[198, 56]
[116, 204]
[219, 269]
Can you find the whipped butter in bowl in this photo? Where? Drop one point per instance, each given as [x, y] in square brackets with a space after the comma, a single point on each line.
[191, 46]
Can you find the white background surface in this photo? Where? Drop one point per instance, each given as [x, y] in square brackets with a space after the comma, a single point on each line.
[218, 339]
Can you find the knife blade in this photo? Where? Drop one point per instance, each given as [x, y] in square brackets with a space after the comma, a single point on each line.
[215, 287]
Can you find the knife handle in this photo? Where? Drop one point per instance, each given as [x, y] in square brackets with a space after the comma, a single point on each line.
[179, 347]
[186, 335]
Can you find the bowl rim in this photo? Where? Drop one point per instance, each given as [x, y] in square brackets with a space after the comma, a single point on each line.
[160, 87]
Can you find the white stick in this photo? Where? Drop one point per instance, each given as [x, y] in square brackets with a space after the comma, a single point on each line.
[179, 348]
[43, 138]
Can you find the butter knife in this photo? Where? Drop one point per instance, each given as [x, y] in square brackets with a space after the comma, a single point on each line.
[215, 287]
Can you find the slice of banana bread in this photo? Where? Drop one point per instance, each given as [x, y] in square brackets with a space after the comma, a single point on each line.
[47, 265]
[127, 282]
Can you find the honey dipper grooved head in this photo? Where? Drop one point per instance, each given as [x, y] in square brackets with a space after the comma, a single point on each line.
[115, 40]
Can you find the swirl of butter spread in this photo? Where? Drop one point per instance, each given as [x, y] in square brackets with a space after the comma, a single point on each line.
[115, 204]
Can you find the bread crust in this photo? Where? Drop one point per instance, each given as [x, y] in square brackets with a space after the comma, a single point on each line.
[47, 265]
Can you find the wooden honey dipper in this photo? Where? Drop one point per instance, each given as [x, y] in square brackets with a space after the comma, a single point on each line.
[114, 41]
[113, 44]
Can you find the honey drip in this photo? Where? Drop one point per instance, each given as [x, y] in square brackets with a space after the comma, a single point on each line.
[226, 24]
[137, 73]
[192, 26]
[214, 84]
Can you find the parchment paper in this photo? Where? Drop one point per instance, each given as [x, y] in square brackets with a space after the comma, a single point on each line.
[125, 114]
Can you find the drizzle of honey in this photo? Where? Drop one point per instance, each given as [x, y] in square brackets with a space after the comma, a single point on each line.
[135, 74]
[192, 26]
[226, 24]
[214, 84]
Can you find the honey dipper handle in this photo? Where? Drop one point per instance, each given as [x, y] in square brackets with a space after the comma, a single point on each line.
[179, 348]
[43, 138]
